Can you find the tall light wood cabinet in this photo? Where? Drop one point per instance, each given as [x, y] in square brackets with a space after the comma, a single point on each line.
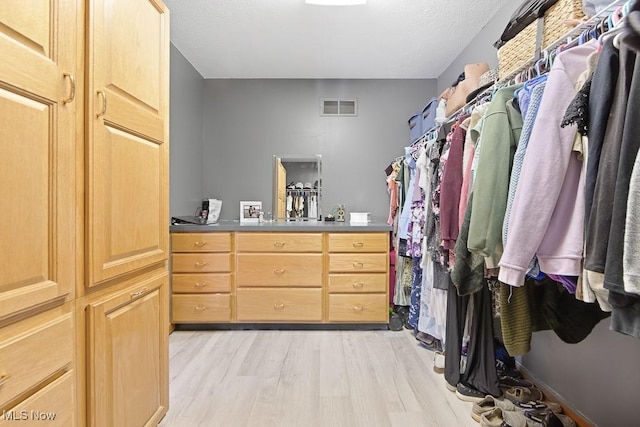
[84, 195]
[38, 118]
[126, 212]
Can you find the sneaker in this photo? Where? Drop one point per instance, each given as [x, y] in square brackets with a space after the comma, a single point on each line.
[450, 387]
[523, 394]
[438, 362]
[468, 394]
[538, 405]
[498, 417]
[509, 382]
[548, 419]
[489, 403]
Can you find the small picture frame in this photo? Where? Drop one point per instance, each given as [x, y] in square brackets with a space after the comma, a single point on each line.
[250, 212]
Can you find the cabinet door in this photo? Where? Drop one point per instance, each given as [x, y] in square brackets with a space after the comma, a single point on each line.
[128, 356]
[38, 72]
[128, 70]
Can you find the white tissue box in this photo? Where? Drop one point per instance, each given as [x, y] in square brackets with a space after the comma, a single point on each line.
[359, 217]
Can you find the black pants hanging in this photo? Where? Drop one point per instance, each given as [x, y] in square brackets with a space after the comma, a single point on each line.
[480, 372]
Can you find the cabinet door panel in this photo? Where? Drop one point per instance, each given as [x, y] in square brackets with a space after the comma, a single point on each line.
[128, 148]
[37, 131]
[128, 356]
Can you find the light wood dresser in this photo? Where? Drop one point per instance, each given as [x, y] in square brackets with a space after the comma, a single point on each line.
[280, 273]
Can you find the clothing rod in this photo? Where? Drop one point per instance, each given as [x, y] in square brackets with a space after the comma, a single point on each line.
[576, 31]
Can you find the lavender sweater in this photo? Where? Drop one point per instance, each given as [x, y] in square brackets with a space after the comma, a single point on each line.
[547, 216]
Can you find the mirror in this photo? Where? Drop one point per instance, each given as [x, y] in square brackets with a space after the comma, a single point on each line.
[297, 187]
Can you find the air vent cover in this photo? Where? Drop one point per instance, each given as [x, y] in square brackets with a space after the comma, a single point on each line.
[338, 107]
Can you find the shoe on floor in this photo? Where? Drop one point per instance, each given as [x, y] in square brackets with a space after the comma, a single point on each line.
[468, 393]
[509, 382]
[538, 405]
[450, 387]
[547, 419]
[498, 417]
[489, 403]
[523, 394]
[438, 362]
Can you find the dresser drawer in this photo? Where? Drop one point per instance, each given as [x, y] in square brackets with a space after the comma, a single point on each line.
[32, 355]
[355, 282]
[201, 263]
[201, 242]
[291, 270]
[358, 308]
[200, 308]
[358, 242]
[279, 242]
[184, 283]
[275, 305]
[52, 406]
[355, 263]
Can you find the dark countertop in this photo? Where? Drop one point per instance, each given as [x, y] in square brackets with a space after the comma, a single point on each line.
[280, 226]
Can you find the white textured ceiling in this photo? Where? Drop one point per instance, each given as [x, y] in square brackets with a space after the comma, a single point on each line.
[291, 39]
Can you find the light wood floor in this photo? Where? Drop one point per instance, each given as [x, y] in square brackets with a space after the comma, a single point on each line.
[307, 379]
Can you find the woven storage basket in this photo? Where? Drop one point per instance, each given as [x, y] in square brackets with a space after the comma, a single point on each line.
[522, 47]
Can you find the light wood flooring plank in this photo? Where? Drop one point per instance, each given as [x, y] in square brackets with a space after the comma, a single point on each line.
[307, 379]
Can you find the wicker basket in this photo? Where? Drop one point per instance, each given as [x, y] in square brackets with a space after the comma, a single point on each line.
[522, 47]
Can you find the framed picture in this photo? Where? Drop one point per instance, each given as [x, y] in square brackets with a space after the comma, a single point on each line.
[250, 212]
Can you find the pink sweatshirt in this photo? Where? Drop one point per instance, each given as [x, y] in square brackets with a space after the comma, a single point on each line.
[547, 217]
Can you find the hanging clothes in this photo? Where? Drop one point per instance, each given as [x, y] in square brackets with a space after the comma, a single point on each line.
[549, 184]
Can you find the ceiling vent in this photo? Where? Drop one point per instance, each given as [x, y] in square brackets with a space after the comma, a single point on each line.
[339, 107]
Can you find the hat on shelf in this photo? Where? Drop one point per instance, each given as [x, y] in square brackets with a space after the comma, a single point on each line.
[307, 185]
[291, 186]
[487, 80]
[299, 185]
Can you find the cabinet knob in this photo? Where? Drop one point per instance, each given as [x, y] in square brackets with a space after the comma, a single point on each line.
[278, 306]
[201, 264]
[72, 94]
[200, 284]
[278, 244]
[358, 265]
[200, 244]
[279, 271]
[358, 285]
[358, 244]
[200, 307]
[4, 378]
[358, 308]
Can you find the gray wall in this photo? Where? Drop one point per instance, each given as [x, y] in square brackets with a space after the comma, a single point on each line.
[246, 122]
[598, 377]
[186, 133]
[481, 47]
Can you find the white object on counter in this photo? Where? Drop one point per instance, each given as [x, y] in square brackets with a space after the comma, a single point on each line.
[360, 218]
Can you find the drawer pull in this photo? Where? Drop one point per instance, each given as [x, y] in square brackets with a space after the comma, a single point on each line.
[200, 307]
[358, 285]
[358, 244]
[4, 378]
[279, 271]
[201, 264]
[358, 265]
[278, 306]
[199, 244]
[200, 284]
[358, 308]
[137, 294]
[278, 244]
